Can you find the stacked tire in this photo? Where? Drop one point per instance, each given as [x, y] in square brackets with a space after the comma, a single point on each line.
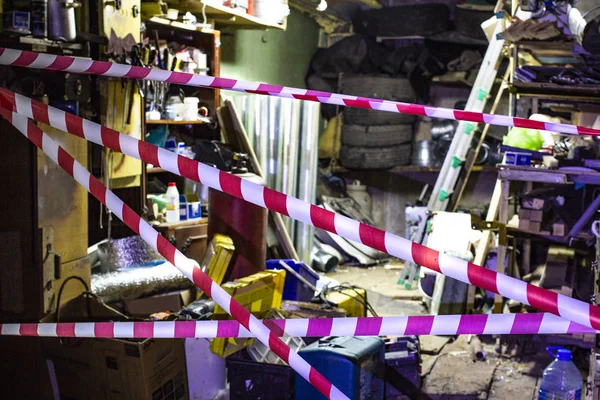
[374, 139]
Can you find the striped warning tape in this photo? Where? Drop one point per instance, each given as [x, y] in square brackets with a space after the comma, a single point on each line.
[542, 299]
[188, 267]
[480, 324]
[50, 62]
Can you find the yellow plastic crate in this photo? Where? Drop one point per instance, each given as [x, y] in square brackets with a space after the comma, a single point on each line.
[259, 294]
[216, 258]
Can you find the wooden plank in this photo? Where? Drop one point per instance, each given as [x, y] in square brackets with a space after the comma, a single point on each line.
[338, 169]
[122, 166]
[485, 242]
[502, 240]
[72, 289]
[117, 24]
[62, 202]
[534, 175]
[170, 122]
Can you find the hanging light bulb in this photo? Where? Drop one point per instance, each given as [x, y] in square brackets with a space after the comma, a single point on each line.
[322, 6]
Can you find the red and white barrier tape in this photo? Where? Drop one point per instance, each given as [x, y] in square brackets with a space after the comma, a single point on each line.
[188, 267]
[50, 62]
[542, 299]
[480, 324]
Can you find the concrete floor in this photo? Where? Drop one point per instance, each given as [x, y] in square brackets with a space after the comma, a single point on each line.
[448, 369]
[380, 279]
[451, 374]
[383, 293]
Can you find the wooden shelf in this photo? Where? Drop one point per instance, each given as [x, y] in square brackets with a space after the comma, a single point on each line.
[546, 45]
[544, 175]
[155, 170]
[165, 226]
[179, 25]
[408, 169]
[49, 43]
[224, 15]
[539, 236]
[170, 122]
[554, 91]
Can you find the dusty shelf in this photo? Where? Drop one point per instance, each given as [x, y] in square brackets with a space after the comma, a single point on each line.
[170, 122]
[583, 93]
[412, 169]
[224, 15]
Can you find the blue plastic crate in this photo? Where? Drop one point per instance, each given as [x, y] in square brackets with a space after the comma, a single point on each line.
[293, 288]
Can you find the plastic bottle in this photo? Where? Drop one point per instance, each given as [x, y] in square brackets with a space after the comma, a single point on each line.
[561, 379]
[172, 196]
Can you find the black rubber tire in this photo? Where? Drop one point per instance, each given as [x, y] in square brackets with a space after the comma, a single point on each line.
[379, 87]
[468, 21]
[355, 157]
[318, 83]
[376, 136]
[415, 20]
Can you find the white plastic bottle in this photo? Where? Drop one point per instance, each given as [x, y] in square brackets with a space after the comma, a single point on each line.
[172, 196]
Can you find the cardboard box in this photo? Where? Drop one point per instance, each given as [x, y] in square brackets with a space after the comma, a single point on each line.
[535, 227]
[172, 302]
[533, 203]
[524, 225]
[99, 369]
[536, 215]
[524, 213]
[149, 369]
[559, 229]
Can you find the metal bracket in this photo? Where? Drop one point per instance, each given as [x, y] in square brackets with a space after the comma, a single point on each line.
[481, 225]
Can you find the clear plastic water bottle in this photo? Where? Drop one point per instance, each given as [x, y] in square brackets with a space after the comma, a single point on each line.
[561, 380]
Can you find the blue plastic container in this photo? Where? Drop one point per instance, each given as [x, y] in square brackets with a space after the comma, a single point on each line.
[182, 208]
[353, 364]
[293, 288]
[515, 158]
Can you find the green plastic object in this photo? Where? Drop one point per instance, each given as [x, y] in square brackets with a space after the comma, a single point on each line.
[456, 162]
[469, 128]
[530, 139]
[443, 196]
[481, 94]
[160, 200]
